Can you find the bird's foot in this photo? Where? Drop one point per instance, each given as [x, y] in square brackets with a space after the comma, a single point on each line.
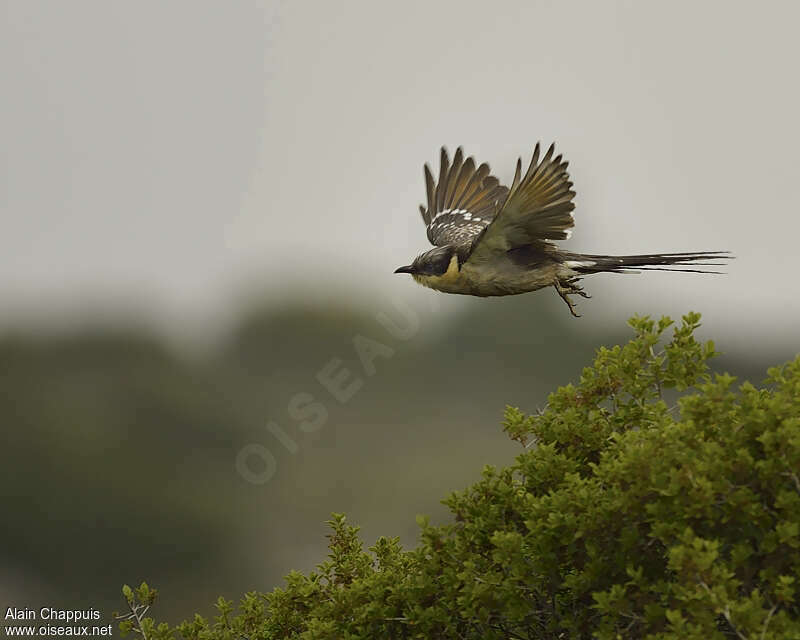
[573, 287]
[567, 288]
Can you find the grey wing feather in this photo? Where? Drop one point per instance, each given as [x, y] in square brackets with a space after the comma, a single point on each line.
[537, 209]
[463, 202]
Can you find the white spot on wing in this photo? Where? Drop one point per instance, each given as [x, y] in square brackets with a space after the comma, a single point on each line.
[456, 225]
[446, 211]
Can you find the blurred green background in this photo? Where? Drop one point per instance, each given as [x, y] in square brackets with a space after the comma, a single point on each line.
[119, 457]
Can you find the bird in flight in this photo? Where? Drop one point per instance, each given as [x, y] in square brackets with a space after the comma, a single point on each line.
[492, 240]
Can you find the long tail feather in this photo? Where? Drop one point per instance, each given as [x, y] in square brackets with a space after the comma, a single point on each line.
[587, 263]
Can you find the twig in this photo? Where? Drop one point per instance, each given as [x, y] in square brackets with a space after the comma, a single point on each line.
[769, 617]
[794, 477]
[727, 613]
[656, 371]
[138, 612]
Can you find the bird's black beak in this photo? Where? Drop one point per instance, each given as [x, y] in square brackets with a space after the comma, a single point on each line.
[407, 269]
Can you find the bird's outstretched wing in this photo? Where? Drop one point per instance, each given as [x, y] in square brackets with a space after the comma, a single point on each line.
[464, 201]
[537, 209]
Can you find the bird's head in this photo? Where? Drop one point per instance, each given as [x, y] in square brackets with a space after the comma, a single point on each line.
[431, 263]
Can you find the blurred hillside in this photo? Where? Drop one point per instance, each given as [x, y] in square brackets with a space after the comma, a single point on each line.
[119, 455]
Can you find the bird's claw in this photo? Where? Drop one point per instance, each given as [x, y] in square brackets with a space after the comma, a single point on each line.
[570, 287]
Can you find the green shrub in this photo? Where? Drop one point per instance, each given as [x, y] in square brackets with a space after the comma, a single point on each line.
[624, 517]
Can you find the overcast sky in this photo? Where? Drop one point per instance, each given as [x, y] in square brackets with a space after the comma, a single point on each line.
[164, 157]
